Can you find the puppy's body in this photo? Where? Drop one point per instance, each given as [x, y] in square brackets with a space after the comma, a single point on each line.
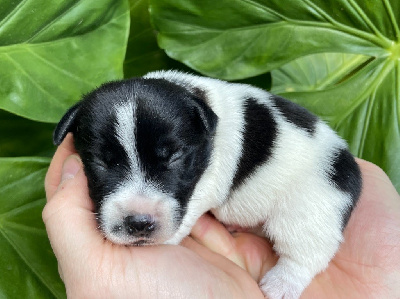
[248, 156]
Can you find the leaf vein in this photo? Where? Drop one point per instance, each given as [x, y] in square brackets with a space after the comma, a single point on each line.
[22, 179]
[13, 61]
[392, 17]
[60, 40]
[54, 66]
[12, 12]
[332, 25]
[380, 75]
[366, 19]
[247, 47]
[63, 13]
[365, 123]
[265, 8]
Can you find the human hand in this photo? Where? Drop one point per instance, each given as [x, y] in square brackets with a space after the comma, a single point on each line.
[366, 266]
[368, 262]
[92, 267]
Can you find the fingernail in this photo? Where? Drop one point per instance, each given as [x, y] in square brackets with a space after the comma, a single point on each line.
[70, 168]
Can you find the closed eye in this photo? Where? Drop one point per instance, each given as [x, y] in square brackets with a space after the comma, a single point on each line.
[163, 153]
[176, 156]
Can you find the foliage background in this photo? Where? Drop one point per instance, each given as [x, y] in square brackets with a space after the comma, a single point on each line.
[339, 58]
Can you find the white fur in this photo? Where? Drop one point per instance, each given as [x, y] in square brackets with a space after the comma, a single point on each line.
[281, 193]
[125, 128]
[135, 195]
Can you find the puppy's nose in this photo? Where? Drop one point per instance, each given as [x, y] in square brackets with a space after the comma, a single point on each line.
[139, 225]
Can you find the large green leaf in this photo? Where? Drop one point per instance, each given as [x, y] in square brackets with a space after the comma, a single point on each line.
[242, 38]
[143, 54]
[339, 58]
[51, 53]
[28, 266]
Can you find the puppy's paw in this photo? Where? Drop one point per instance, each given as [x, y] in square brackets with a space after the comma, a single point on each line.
[284, 281]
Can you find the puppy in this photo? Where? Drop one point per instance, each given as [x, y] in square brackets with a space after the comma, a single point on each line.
[162, 150]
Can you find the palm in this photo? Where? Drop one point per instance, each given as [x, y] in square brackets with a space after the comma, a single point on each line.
[147, 272]
[367, 264]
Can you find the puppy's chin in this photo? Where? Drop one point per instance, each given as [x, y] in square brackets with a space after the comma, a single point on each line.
[131, 241]
[126, 239]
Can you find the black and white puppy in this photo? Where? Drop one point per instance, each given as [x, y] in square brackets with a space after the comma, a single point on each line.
[162, 150]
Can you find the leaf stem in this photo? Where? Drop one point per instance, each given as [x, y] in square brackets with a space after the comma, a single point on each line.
[340, 72]
[366, 19]
[379, 39]
[365, 123]
[392, 19]
[376, 80]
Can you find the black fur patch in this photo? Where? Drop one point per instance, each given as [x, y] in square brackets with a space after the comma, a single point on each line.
[260, 132]
[105, 159]
[346, 176]
[297, 115]
[174, 134]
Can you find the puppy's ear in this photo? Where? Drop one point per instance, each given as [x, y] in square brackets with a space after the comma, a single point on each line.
[66, 124]
[207, 119]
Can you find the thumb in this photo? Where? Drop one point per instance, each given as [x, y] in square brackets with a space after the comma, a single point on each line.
[68, 214]
[72, 165]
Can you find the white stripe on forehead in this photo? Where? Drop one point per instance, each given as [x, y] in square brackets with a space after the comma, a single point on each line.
[125, 129]
[136, 182]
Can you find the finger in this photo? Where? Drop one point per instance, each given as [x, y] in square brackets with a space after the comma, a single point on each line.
[71, 168]
[68, 215]
[53, 176]
[257, 254]
[378, 202]
[210, 256]
[204, 252]
[213, 235]
[377, 185]
[377, 211]
[227, 266]
[248, 251]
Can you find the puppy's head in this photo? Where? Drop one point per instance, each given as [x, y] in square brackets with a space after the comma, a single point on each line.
[144, 144]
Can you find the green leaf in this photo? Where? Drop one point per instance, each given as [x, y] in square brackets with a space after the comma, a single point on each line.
[52, 53]
[29, 268]
[339, 58]
[238, 39]
[315, 72]
[143, 54]
[23, 137]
